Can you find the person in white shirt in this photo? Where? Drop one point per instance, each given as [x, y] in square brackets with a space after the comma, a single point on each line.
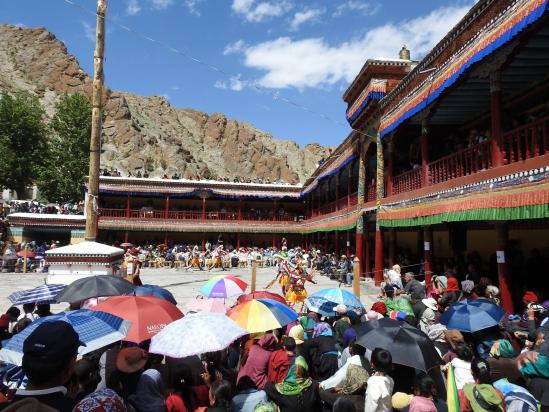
[337, 379]
[462, 365]
[380, 385]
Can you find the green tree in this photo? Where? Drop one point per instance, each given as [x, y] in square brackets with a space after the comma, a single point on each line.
[22, 140]
[61, 176]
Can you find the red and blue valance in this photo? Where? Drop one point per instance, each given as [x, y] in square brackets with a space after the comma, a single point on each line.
[495, 34]
[342, 161]
[375, 90]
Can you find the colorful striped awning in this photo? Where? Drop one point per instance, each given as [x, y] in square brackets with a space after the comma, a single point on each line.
[375, 90]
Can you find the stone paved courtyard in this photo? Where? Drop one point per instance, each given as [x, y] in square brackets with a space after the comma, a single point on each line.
[183, 285]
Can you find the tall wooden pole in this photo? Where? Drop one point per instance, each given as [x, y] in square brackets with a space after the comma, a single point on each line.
[254, 275]
[95, 142]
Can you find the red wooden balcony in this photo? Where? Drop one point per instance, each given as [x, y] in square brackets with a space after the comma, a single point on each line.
[527, 141]
[462, 163]
[407, 181]
[195, 215]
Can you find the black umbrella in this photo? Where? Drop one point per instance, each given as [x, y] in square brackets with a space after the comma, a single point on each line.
[95, 286]
[408, 345]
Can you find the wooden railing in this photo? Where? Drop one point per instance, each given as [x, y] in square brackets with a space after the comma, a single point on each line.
[407, 181]
[527, 141]
[195, 215]
[353, 199]
[462, 163]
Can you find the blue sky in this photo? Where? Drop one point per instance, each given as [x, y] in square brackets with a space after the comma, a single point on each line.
[270, 51]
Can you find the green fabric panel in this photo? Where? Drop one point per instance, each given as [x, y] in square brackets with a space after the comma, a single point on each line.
[505, 213]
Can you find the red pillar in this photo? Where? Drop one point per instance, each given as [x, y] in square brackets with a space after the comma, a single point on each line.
[392, 247]
[503, 267]
[128, 206]
[306, 242]
[126, 236]
[389, 172]
[498, 156]
[366, 264]
[428, 255]
[336, 245]
[166, 210]
[238, 240]
[166, 238]
[203, 212]
[203, 242]
[378, 269]
[274, 240]
[424, 154]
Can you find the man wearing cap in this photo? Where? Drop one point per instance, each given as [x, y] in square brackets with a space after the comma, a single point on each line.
[49, 356]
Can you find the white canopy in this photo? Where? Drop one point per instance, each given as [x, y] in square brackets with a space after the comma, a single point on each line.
[85, 249]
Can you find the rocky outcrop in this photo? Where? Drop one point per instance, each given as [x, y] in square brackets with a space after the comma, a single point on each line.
[143, 132]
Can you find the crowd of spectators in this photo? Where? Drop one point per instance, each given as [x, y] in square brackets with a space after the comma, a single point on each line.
[34, 206]
[317, 363]
[176, 176]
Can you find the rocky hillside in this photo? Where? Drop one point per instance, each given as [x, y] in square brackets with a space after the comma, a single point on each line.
[147, 132]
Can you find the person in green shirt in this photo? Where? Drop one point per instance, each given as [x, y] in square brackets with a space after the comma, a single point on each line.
[398, 303]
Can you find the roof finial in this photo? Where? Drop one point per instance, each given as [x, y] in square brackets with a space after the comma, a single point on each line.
[404, 53]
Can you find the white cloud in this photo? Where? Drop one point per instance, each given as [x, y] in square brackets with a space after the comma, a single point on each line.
[192, 6]
[305, 16]
[234, 84]
[253, 11]
[313, 62]
[133, 7]
[365, 8]
[89, 31]
[161, 4]
[20, 25]
[235, 47]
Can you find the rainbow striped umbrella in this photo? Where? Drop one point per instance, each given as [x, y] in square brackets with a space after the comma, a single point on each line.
[261, 315]
[223, 286]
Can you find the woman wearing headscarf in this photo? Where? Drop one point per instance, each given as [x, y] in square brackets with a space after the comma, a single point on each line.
[309, 322]
[320, 352]
[298, 334]
[503, 363]
[450, 294]
[104, 400]
[297, 393]
[257, 363]
[149, 394]
[436, 334]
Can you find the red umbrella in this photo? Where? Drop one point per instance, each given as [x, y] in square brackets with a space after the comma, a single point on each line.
[30, 253]
[262, 294]
[148, 315]
[126, 245]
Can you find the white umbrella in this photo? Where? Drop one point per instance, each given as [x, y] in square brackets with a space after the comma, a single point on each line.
[195, 334]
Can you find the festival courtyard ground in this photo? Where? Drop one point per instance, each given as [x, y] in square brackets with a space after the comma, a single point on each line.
[183, 285]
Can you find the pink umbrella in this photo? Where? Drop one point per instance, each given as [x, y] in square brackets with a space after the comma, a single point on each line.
[206, 305]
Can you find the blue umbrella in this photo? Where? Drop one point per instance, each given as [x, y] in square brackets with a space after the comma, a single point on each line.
[321, 306]
[40, 294]
[96, 329]
[156, 291]
[339, 297]
[472, 315]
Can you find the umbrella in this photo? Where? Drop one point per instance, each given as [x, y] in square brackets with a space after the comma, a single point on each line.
[339, 297]
[262, 294]
[94, 286]
[195, 334]
[223, 286]
[261, 315]
[95, 329]
[156, 291]
[30, 254]
[126, 245]
[148, 315]
[40, 294]
[321, 306]
[206, 305]
[408, 345]
[472, 315]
